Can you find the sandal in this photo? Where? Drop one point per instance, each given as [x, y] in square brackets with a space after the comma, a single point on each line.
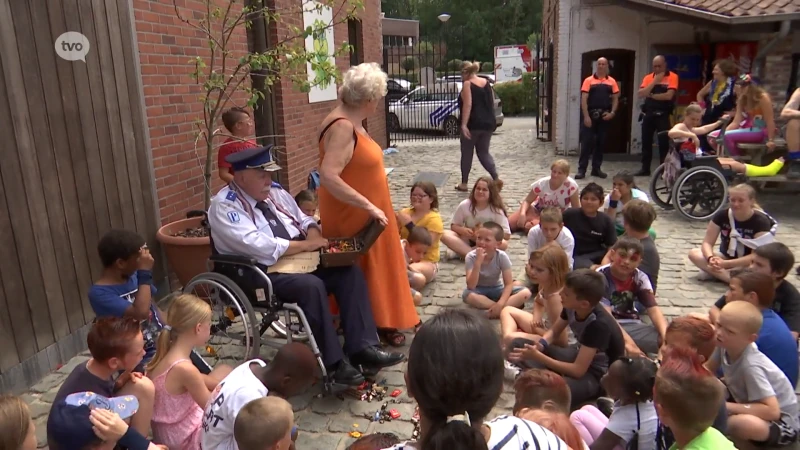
[392, 337]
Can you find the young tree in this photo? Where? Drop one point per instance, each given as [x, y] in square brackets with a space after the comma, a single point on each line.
[408, 64]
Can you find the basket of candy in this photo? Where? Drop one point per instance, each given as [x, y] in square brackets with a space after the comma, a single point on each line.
[346, 251]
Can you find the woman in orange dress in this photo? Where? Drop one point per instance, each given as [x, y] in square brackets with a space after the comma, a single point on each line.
[354, 189]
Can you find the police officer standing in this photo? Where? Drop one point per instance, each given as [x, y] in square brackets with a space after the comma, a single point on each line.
[658, 90]
[599, 101]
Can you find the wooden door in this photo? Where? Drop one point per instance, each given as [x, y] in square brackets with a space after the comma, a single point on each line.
[621, 65]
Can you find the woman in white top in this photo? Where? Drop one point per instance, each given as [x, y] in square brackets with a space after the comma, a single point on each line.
[624, 190]
[559, 190]
[483, 205]
[455, 373]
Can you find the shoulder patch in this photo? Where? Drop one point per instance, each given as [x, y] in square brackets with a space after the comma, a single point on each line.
[231, 196]
[275, 184]
[233, 216]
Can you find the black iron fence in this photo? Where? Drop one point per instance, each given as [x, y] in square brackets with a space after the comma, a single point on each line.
[544, 89]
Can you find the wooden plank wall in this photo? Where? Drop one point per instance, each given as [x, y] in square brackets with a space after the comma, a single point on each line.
[75, 164]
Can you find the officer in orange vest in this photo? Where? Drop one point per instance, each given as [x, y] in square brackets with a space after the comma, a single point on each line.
[599, 101]
[659, 91]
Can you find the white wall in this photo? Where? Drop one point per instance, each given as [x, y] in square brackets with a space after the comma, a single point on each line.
[614, 27]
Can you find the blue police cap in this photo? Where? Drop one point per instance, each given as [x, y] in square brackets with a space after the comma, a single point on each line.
[253, 158]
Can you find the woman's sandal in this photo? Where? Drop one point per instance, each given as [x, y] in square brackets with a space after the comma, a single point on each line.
[392, 336]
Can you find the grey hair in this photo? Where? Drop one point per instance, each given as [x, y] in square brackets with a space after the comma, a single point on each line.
[363, 83]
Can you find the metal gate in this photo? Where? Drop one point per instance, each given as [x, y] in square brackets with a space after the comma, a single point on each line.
[424, 85]
[544, 87]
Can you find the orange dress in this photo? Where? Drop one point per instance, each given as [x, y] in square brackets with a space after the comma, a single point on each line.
[384, 264]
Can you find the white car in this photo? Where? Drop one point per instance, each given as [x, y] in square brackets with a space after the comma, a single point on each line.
[427, 109]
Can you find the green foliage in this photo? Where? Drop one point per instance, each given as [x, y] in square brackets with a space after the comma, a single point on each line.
[408, 64]
[454, 65]
[518, 97]
[427, 56]
[487, 67]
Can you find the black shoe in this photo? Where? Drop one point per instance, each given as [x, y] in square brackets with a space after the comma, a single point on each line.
[599, 174]
[605, 405]
[374, 357]
[580, 175]
[793, 172]
[345, 373]
[642, 173]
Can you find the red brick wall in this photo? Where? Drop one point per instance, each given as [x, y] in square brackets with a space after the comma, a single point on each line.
[300, 120]
[166, 45]
[777, 71]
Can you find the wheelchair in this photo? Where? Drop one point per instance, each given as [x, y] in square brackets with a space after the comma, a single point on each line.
[244, 307]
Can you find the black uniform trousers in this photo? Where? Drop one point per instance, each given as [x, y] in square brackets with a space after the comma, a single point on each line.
[651, 125]
[310, 292]
[593, 142]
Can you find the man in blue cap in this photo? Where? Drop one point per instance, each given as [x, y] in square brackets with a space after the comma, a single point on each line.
[255, 217]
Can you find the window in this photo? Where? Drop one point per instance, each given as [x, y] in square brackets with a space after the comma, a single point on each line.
[355, 39]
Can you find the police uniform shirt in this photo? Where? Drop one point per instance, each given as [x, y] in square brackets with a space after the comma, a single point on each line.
[600, 91]
[669, 82]
[235, 233]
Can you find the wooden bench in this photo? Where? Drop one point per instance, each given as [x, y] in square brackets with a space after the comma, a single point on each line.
[758, 155]
[757, 152]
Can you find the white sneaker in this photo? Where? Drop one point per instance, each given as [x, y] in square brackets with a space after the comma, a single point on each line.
[702, 275]
[511, 370]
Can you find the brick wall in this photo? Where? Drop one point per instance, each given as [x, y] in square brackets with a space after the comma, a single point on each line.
[298, 124]
[166, 45]
[777, 70]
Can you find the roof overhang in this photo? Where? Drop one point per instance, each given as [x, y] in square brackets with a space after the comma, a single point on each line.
[719, 19]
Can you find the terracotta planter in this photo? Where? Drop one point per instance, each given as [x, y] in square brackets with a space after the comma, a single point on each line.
[186, 256]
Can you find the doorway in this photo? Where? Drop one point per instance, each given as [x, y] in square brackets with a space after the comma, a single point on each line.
[621, 66]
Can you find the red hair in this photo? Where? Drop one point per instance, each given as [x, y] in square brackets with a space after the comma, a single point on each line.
[559, 424]
[534, 387]
[686, 390]
[110, 337]
[700, 331]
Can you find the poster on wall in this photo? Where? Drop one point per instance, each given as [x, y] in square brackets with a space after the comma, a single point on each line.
[315, 15]
[742, 53]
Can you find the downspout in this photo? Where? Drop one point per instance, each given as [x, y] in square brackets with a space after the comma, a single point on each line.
[786, 26]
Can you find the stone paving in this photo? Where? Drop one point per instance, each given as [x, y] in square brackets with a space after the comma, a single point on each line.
[325, 422]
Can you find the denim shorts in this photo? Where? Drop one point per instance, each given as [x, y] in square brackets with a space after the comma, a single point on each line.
[492, 292]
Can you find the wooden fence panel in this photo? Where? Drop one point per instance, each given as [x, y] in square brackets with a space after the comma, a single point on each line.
[75, 164]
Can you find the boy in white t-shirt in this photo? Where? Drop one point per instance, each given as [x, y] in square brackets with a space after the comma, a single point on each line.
[292, 372]
[551, 229]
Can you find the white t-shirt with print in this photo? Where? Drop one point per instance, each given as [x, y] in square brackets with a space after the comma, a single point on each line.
[239, 388]
[536, 240]
[559, 197]
[623, 423]
[464, 217]
[635, 193]
[512, 433]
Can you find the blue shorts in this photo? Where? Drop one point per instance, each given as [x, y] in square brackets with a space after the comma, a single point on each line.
[492, 292]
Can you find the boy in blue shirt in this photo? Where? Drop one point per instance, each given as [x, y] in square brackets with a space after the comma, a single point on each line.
[774, 338]
[125, 288]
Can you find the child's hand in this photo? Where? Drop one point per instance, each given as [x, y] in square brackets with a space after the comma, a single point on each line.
[615, 194]
[480, 254]
[529, 352]
[107, 425]
[494, 310]
[715, 263]
[146, 261]
[696, 141]
[468, 233]
[632, 350]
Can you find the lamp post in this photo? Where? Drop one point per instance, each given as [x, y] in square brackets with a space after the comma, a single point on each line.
[444, 17]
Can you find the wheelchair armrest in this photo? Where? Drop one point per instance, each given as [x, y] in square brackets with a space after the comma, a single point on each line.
[234, 259]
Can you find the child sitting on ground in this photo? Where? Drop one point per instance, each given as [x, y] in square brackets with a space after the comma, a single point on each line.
[599, 339]
[624, 191]
[593, 231]
[774, 338]
[551, 229]
[547, 268]
[418, 242]
[686, 397]
[483, 205]
[240, 125]
[375, 441]
[308, 203]
[639, 217]
[695, 335]
[625, 286]
[490, 281]
[774, 259]
[264, 424]
[558, 190]
[181, 390]
[633, 421]
[125, 288]
[764, 407]
[559, 424]
[292, 371]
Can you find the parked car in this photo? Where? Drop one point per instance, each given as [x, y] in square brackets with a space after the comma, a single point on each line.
[433, 109]
[397, 89]
[498, 104]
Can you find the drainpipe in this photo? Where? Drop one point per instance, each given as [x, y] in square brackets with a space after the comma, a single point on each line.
[786, 25]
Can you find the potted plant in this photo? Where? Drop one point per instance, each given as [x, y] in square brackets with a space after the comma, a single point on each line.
[227, 79]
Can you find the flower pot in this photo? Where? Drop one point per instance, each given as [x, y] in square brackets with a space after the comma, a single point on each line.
[186, 256]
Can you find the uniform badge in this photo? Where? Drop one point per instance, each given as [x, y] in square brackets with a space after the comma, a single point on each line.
[233, 216]
[231, 196]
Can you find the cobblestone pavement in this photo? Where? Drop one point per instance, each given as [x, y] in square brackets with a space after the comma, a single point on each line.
[325, 423]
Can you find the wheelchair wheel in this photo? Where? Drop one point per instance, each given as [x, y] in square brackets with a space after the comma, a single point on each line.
[235, 336]
[699, 193]
[659, 191]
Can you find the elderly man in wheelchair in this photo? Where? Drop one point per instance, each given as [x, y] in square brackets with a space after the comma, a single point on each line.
[252, 217]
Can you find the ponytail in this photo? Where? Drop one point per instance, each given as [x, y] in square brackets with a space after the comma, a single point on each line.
[454, 434]
[184, 313]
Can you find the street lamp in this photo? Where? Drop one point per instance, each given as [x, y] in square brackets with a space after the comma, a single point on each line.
[444, 17]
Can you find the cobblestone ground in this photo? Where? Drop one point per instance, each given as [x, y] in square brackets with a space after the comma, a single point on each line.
[325, 423]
